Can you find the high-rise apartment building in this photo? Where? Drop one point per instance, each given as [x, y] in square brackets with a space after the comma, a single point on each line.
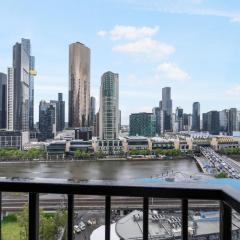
[47, 120]
[10, 99]
[23, 71]
[109, 106]
[142, 124]
[196, 117]
[166, 107]
[79, 85]
[3, 100]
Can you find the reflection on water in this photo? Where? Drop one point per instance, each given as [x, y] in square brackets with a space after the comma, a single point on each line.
[97, 170]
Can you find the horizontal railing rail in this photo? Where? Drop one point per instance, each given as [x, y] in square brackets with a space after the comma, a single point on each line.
[229, 199]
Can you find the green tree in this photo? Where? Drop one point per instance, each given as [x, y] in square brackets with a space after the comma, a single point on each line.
[221, 175]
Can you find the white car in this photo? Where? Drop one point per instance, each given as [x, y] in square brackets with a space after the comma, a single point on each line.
[82, 226]
[77, 229]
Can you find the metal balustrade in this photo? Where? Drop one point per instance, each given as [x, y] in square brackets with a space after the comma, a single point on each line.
[229, 199]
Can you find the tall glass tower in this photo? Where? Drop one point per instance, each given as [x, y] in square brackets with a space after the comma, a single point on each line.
[23, 69]
[166, 105]
[79, 85]
[109, 106]
[196, 117]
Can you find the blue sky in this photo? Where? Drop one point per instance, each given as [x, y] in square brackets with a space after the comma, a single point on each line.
[191, 45]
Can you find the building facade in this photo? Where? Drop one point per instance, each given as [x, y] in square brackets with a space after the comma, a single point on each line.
[196, 117]
[109, 106]
[10, 99]
[157, 113]
[166, 107]
[47, 120]
[79, 85]
[142, 124]
[22, 65]
[3, 101]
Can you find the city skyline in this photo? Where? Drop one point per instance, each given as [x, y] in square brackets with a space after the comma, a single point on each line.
[208, 65]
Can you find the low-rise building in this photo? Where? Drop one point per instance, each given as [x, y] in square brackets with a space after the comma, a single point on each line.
[83, 146]
[56, 148]
[219, 143]
[13, 139]
[109, 147]
[161, 143]
[183, 145]
[136, 143]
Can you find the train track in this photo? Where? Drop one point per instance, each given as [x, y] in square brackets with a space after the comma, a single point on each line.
[87, 203]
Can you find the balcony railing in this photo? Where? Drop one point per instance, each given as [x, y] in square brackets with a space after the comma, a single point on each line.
[229, 199]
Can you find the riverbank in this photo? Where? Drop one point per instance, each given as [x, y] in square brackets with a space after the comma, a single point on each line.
[65, 160]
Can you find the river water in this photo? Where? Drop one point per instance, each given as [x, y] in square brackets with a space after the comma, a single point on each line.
[97, 170]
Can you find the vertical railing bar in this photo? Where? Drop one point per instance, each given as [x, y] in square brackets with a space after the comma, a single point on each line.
[107, 217]
[33, 217]
[70, 216]
[1, 215]
[145, 217]
[185, 219]
[225, 221]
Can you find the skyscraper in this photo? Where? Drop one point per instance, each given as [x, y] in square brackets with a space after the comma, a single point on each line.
[196, 117]
[223, 119]
[92, 111]
[3, 100]
[179, 119]
[60, 112]
[166, 104]
[61, 117]
[31, 92]
[213, 122]
[23, 71]
[10, 99]
[47, 120]
[232, 121]
[157, 113]
[79, 85]
[109, 106]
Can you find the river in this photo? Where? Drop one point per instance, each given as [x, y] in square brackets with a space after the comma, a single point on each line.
[97, 170]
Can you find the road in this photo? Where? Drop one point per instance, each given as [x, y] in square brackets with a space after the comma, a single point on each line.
[221, 162]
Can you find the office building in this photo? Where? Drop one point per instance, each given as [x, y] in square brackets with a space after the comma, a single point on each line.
[31, 92]
[223, 120]
[211, 122]
[157, 113]
[142, 124]
[179, 119]
[23, 64]
[166, 106]
[47, 120]
[3, 101]
[10, 99]
[196, 117]
[93, 114]
[232, 121]
[109, 106]
[60, 112]
[61, 115]
[79, 85]
[13, 139]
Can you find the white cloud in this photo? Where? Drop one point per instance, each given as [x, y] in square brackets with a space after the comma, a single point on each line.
[170, 71]
[129, 32]
[235, 91]
[147, 47]
[102, 33]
